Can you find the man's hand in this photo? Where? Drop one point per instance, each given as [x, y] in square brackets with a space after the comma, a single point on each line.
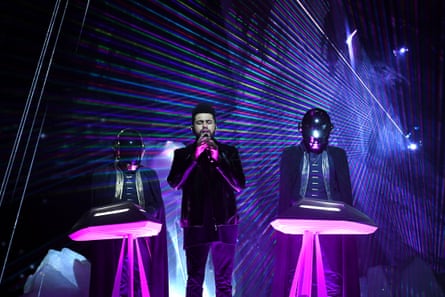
[214, 154]
[201, 144]
[206, 143]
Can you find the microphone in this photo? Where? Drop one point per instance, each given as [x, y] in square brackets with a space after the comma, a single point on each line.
[209, 155]
[207, 150]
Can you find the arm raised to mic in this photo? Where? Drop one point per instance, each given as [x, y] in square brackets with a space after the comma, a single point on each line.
[201, 144]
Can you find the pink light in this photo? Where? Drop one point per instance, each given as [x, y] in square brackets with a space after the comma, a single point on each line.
[302, 281]
[116, 231]
[314, 143]
[129, 232]
[311, 229]
[299, 226]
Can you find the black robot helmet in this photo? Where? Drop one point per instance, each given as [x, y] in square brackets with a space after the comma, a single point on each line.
[316, 127]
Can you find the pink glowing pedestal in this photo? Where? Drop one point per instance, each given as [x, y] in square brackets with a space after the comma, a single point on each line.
[311, 218]
[123, 220]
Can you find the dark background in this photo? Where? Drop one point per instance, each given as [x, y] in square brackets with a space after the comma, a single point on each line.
[74, 73]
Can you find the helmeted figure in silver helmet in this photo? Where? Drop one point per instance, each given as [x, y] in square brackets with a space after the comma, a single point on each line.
[126, 179]
[129, 149]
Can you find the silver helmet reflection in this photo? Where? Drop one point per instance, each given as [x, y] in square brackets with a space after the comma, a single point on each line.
[129, 147]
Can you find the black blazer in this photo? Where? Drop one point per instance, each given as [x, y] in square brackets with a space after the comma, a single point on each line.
[287, 247]
[290, 176]
[208, 189]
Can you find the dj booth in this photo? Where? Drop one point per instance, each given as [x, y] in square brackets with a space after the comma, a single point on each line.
[124, 220]
[312, 218]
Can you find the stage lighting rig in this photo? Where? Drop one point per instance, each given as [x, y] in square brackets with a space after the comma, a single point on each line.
[400, 52]
[414, 141]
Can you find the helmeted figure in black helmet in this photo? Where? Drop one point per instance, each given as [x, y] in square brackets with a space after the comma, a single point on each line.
[314, 169]
[126, 179]
[316, 127]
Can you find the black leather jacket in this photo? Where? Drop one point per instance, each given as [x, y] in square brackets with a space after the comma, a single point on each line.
[208, 189]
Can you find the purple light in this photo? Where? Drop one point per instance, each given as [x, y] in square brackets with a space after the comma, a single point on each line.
[400, 52]
[413, 146]
[350, 36]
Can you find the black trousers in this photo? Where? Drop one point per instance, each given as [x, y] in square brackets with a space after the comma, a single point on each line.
[223, 255]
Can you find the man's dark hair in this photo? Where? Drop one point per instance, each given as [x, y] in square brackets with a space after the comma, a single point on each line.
[203, 108]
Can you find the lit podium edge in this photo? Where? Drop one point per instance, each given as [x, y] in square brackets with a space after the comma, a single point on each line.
[124, 220]
[310, 218]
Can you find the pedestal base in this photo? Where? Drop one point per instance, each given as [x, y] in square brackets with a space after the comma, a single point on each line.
[302, 281]
[131, 243]
[312, 217]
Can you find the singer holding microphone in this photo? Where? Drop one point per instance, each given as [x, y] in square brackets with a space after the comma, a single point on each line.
[210, 174]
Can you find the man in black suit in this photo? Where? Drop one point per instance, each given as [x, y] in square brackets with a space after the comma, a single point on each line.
[210, 174]
[313, 169]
